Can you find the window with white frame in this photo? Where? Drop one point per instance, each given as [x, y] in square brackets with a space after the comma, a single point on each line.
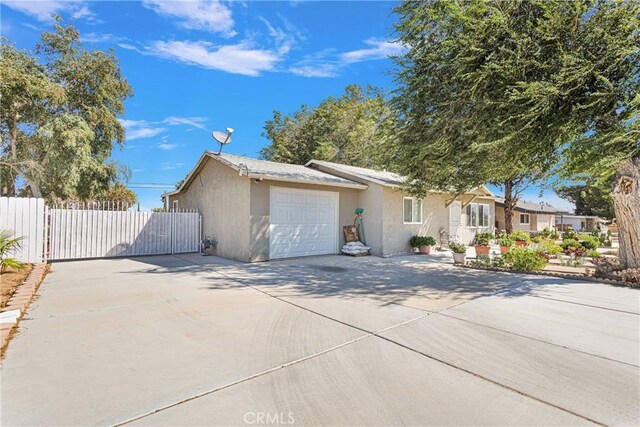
[525, 219]
[412, 208]
[477, 215]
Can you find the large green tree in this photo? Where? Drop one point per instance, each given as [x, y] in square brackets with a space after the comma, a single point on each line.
[357, 129]
[58, 119]
[591, 197]
[488, 91]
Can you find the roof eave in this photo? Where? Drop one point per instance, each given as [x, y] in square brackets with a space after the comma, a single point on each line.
[307, 181]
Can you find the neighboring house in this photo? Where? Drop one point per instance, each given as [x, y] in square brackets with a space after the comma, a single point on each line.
[259, 210]
[532, 217]
[584, 223]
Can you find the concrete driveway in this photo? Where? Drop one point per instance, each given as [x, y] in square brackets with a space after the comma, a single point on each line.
[192, 340]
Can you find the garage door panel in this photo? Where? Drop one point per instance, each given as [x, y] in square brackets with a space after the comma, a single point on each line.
[303, 222]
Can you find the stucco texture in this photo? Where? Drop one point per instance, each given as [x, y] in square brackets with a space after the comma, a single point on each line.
[222, 197]
[396, 234]
[259, 212]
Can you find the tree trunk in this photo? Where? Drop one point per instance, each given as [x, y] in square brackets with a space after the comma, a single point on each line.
[35, 189]
[509, 205]
[626, 199]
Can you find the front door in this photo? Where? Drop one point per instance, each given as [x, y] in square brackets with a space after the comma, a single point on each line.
[455, 221]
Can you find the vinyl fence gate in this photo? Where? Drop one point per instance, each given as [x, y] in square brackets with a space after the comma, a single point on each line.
[77, 233]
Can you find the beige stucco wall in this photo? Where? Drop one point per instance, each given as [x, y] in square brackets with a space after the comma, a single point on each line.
[222, 197]
[259, 212]
[371, 200]
[396, 234]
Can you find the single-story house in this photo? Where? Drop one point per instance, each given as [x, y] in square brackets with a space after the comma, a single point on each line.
[259, 210]
[582, 223]
[531, 217]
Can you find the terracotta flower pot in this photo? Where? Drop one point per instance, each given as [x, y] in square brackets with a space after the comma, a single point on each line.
[504, 249]
[521, 243]
[482, 250]
[458, 258]
[425, 249]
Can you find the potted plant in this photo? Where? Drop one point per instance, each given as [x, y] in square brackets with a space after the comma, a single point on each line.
[481, 243]
[521, 238]
[459, 251]
[423, 243]
[505, 243]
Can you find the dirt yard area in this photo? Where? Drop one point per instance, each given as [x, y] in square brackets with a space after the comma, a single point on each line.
[10, 280]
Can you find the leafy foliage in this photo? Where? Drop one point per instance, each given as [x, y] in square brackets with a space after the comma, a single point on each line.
[482, 239]
[458, 248]
[7, 244]
[592, 198]
[59, 118]
[520, 236]
[524, 259]
[356, 129]
[416, 241]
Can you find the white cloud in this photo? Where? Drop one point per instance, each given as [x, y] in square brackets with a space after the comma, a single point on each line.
[168, 166]
[209, 15]
[196, 122]
[43, 9]
[380, 49]
[315, 70]
[327, 63]
[167, 147]
[237, 58]
[284, 39]
[139, 129]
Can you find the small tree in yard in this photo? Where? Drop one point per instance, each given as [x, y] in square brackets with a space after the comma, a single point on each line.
[496, 91]
[7, 244]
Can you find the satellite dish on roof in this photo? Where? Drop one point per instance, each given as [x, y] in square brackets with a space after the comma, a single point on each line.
[222, 138]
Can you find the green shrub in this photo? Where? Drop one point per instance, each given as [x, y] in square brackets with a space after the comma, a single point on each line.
[570, 234]
[482, 239]
[8, 243]
[594, 254]
[524, 259]
[589, 242]
[552, 248]
[570, 244]
[505, 241]
[482, 261]
[422, 241]
[537, 239]
[520, 236]
[458, 248]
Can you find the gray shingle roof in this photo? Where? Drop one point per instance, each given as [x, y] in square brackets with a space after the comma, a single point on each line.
[531, 207]
[256, 168]
[380, 177]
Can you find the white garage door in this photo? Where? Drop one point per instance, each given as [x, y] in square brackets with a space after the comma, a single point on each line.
[302, 222]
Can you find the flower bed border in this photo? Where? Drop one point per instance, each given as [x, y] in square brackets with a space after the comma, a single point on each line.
[553, 274]
[20, 300]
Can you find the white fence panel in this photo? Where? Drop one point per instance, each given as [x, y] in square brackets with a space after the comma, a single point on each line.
[27, 218]
[78, 233]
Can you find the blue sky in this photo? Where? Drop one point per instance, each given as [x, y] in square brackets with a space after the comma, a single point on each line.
[198, 66]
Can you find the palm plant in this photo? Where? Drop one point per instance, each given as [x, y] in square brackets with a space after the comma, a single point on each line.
[8, 243]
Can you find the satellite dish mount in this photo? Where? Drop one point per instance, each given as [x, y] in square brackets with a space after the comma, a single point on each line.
[222, 138]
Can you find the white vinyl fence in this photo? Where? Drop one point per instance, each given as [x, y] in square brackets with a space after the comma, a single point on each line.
[88, 233]
[26, 218]
[80, 231]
